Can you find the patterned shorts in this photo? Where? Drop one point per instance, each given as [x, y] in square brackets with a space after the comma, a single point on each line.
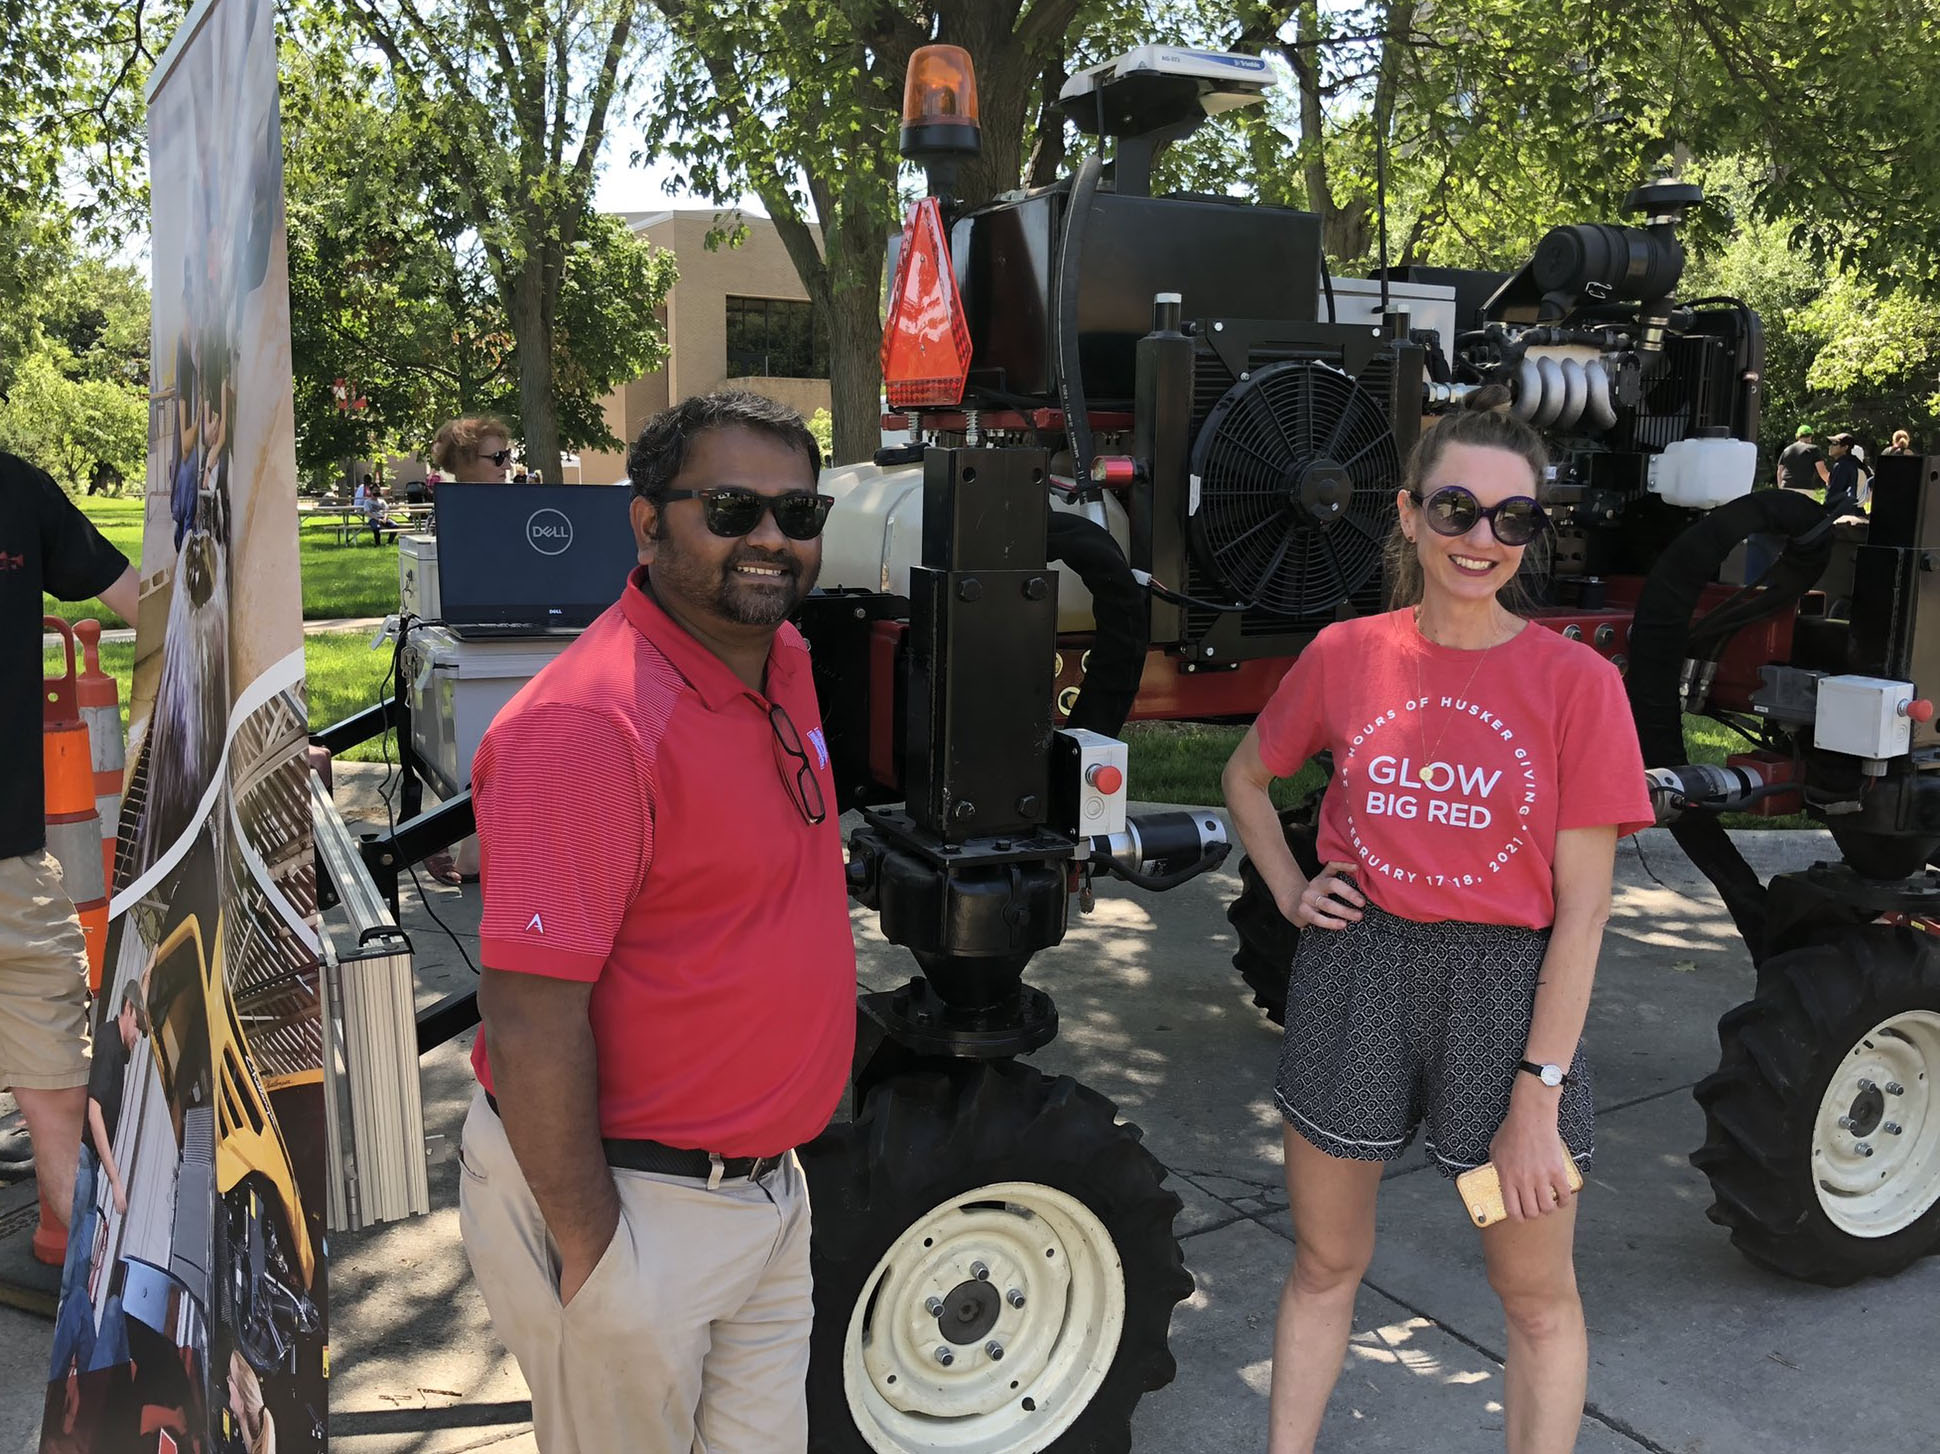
[1393, 1023]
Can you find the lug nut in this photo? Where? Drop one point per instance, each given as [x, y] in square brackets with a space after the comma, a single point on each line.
[1894, 1088]
[1862, 1148]
[1015, 1298]
[1865, 1085]
[994, 1349]
[945, 1356]
[1845, 1123]
[1891, 1128]
[935, 1305]
[980, 1272]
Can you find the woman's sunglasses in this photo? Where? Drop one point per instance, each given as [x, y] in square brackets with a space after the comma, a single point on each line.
[733, 512]
[1453, 510]
[498, 457]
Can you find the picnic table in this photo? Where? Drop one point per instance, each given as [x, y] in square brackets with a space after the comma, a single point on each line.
[346, 518]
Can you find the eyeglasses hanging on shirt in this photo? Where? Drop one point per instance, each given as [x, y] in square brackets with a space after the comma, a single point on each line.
[797, 772]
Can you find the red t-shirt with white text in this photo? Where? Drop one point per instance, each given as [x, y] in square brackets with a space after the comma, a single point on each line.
[1455, 770]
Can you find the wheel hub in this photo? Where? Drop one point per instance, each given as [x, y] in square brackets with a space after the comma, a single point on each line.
[1868, 1110]
[1876, 1140]
[970, 1311]
[987, 1326]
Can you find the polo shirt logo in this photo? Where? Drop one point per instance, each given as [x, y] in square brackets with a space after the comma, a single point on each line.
[535, 926]
[821, 747]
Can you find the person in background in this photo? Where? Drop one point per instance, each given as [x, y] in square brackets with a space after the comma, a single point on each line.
[1801, 464]
[473, 450]
[46, 545]
[1902, 443]
[1846, 474]
[415, 491]
[377, 515]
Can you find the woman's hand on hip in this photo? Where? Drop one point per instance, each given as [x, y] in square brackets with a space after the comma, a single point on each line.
[1530, 1159]
[1328, 900]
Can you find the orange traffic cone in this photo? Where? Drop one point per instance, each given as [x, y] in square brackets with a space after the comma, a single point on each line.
[73, 827]
[99, 696]
[74, 838]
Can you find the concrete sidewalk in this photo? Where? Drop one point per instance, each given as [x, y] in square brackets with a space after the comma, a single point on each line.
[1693, 1351]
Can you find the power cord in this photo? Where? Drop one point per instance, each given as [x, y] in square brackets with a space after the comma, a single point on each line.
[1179, 598]
[394, 684]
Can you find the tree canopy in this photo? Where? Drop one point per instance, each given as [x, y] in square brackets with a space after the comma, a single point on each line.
[395, 294]
[450, 250]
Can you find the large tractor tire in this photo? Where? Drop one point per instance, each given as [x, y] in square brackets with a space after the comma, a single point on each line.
[1822, 1122]
[995, 1269]
[1267, 940]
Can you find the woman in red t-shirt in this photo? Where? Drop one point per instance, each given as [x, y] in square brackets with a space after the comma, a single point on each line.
[1484, 768]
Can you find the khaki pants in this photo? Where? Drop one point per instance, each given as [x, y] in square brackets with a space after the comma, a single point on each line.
[43, 979]
[689, 1337]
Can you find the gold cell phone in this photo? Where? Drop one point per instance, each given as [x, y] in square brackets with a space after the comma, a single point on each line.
[1481, 1190]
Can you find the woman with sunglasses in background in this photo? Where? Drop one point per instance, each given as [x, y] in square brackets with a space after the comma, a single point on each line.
[1484, 768]
[473, 450]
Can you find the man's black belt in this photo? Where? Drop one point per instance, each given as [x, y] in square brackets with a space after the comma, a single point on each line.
[667, 1160]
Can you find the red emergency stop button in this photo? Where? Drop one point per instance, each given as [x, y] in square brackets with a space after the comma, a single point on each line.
[1919, 709]
[1106, 778]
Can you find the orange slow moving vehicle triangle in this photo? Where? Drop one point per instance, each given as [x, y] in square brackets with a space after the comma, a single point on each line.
[926, 343]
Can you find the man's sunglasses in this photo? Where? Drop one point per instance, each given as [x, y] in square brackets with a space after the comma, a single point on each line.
[733, 512]
[797, 773]
[1453, 510]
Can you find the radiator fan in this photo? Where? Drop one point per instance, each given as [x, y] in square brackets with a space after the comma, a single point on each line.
[1294, 474]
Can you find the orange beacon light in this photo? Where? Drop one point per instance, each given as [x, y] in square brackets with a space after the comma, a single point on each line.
[940, 106]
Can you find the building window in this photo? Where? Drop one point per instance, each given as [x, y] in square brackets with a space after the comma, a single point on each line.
[774, 338]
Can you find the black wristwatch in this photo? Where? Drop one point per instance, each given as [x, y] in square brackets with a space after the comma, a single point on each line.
[1550, 1075]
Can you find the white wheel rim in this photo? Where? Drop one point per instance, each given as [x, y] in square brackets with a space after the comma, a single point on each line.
[1031, 1241]
[1876, 1143]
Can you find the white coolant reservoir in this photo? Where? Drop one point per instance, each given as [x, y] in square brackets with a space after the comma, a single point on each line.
[1701, 473]
[875, 534]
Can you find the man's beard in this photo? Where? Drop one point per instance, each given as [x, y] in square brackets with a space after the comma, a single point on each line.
[746, 604]
[732, 597]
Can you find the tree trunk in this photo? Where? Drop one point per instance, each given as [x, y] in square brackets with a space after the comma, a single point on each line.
[856, 252]
[532, 337]
[1048, 150]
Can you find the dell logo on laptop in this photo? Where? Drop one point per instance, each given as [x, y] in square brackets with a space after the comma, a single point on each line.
[549, 532]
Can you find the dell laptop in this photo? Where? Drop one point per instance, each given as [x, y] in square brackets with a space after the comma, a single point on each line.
[528, 560]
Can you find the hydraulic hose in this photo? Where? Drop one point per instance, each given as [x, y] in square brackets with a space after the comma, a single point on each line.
[1662, 637]
[1123, 616]
[1071, 389]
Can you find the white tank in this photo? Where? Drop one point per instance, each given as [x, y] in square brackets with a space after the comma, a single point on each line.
[875, 534]
[1701, 473]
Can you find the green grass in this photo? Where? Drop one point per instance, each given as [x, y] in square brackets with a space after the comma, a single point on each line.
[344, 676]
[357, 579]
[1180, 762]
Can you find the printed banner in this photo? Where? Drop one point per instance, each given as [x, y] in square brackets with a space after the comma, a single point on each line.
[193, 1304]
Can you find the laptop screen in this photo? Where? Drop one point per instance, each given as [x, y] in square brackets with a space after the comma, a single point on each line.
[538, 557]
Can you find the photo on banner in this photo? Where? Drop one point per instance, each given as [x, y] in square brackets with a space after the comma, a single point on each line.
[193, 1303]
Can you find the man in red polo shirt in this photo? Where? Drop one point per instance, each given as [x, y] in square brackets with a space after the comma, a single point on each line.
[669, 987]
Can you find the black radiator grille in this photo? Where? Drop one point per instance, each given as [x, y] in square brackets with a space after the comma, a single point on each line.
[1688, 389]
[1211, 381]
